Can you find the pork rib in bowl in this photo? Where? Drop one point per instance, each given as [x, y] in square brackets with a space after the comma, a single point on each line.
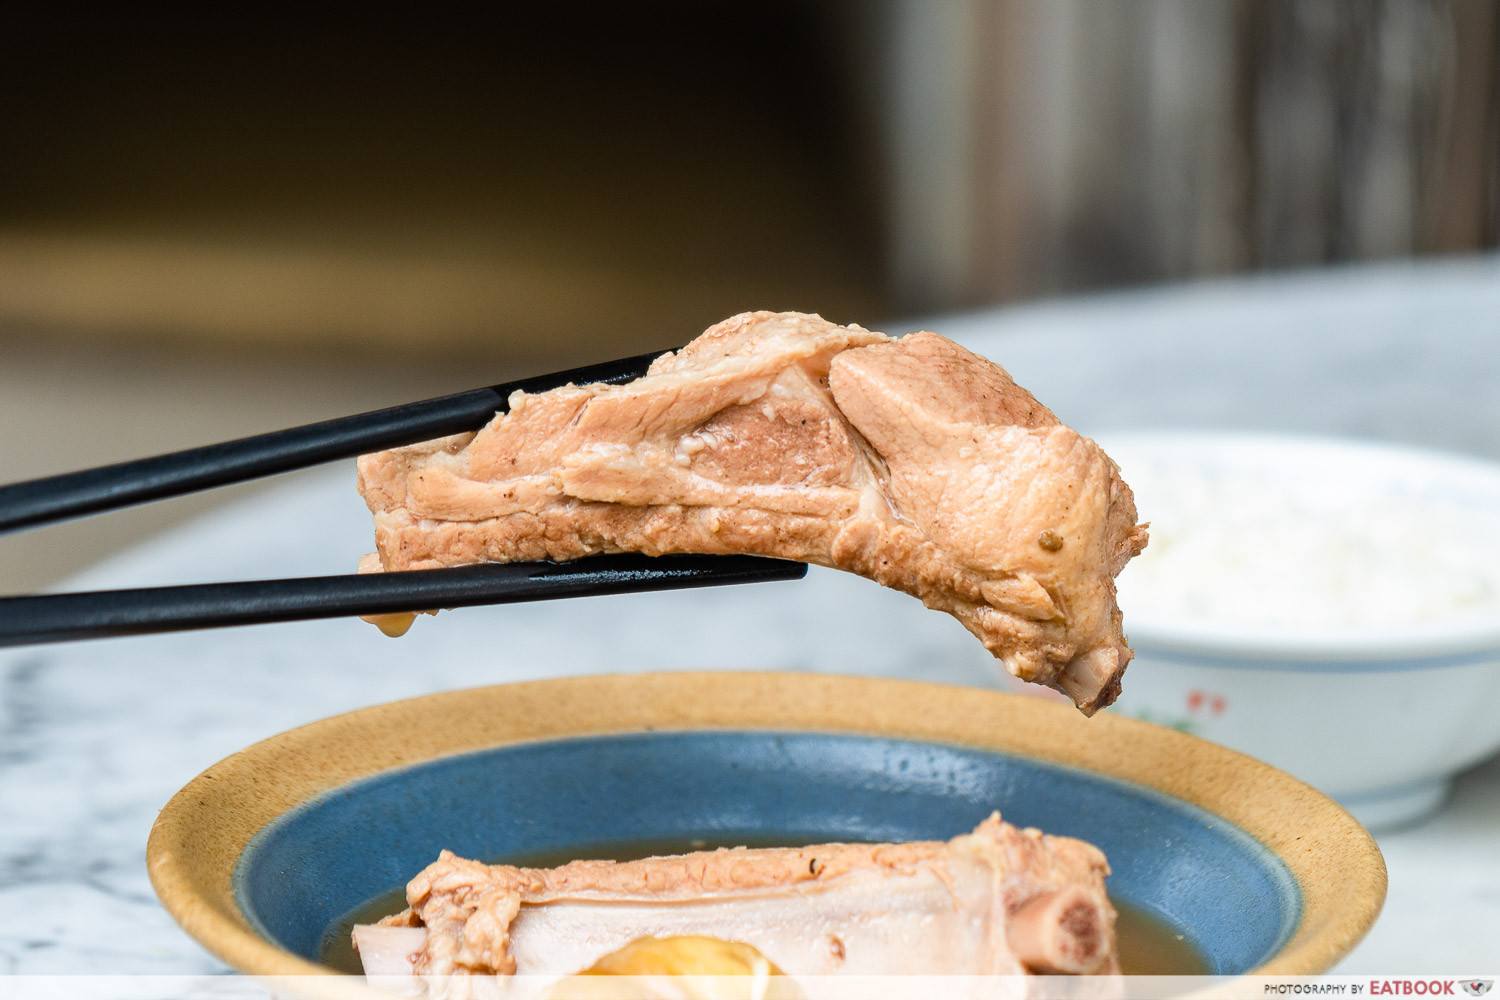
[995, 901]
[264, 853]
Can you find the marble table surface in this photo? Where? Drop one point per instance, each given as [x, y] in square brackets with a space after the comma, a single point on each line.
[95, 737]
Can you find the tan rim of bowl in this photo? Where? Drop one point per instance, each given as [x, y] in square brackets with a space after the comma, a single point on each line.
[199, 836]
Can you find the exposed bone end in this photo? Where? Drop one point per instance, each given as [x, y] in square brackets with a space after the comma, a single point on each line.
[1092, 679]
[388, 952]
[1061, 933]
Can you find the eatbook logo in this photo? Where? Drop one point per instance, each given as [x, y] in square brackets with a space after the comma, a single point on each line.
[1477, 987]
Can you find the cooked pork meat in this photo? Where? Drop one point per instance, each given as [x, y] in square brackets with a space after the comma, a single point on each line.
[909, 461]
[998, 901]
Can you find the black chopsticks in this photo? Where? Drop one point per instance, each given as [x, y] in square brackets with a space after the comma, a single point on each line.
[110, 487]
[98, 614]
[107, 613]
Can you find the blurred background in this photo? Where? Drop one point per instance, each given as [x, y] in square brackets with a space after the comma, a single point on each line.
[221, 226]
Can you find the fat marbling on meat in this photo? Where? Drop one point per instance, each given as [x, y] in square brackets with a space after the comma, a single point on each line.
[910, 461]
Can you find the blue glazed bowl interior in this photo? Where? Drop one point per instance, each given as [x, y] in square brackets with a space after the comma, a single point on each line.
[1230, 896]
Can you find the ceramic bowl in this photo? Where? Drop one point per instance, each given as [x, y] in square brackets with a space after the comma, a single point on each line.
[1378, 715]
[261, 854]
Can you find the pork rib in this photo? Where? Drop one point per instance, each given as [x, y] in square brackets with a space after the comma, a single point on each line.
[909, 461]
[998, 901]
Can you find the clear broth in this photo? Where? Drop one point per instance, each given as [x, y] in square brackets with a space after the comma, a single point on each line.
[1149, 946]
